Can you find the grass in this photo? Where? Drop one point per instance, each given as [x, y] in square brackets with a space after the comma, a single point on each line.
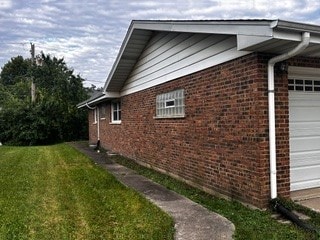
[249, 223]
[55, 192]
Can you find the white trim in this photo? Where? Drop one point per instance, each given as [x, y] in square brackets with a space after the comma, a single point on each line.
[118, 103]
[167, 117]
[105, 96]
[115, 123]
[305, 73]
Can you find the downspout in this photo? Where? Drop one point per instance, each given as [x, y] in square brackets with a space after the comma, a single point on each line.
[98, 125]
[272, 126]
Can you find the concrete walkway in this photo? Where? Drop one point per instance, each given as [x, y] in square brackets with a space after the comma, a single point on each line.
[309, 198]
[192, 221]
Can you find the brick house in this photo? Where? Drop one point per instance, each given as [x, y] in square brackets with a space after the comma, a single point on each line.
[230, 106]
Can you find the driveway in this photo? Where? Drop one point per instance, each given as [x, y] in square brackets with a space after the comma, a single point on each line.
[309, 198]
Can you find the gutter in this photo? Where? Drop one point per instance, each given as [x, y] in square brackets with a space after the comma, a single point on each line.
[272, 126]
[92, 108]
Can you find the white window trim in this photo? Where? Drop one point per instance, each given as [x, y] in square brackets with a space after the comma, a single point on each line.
[112, 112]
[304, 74]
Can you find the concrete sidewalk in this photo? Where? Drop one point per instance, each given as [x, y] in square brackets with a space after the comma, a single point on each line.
[192, 221]
[309, 198]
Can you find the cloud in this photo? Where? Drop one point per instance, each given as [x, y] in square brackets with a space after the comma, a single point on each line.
[88, 34]
[5, 4]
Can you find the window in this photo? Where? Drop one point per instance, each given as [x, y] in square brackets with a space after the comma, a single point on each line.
[116, 112]
[304, 85]
[170, 105]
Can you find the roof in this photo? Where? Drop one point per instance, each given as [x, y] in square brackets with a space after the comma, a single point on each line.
[97, 97]
[269, 36]
[272, 36]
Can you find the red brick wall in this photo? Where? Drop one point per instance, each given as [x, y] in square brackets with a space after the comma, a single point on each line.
[93, 137]
[222, 143]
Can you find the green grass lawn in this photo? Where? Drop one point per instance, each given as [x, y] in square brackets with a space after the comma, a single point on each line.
[55, 192]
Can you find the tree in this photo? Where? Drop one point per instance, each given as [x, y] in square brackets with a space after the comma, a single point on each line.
[15, 71]
[53, 117]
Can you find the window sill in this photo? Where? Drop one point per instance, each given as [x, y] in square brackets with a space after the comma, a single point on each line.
[115, 123]
[102, 118]
[170, 117]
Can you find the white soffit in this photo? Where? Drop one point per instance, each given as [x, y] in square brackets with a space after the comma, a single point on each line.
[245, 42]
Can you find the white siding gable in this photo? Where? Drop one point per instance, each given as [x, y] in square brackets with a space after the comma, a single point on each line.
[171, 55]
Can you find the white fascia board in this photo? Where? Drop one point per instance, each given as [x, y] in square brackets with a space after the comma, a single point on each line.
[295, 36]
[259, 28]
[295, 27]
[249, 43]
[286, 35]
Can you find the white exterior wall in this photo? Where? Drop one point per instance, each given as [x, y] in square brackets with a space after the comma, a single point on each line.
[171, 55]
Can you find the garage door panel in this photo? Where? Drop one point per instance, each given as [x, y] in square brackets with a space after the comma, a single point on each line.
[305, 184]
[304, 160]
[304, 128]
[305, 101]
[299, 173]
[301, 180]
[305, 144]
[304, 114]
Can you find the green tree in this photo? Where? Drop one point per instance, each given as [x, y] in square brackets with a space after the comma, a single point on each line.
[15, 71]
[53, 117]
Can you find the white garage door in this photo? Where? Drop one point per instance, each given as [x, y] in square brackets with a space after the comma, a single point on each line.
[304, 126]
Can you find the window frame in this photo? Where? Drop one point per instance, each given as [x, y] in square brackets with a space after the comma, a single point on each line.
[117, 110]
[170, 104]
[307, 85]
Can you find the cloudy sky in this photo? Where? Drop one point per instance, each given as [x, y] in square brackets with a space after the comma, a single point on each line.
[88, 33]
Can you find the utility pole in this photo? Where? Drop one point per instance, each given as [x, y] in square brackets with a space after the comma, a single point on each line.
[33, 86]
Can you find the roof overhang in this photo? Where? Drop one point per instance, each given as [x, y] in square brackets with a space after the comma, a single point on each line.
[102, 97]
[270, 36]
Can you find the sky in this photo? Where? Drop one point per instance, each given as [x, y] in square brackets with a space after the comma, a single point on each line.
[88, 33]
